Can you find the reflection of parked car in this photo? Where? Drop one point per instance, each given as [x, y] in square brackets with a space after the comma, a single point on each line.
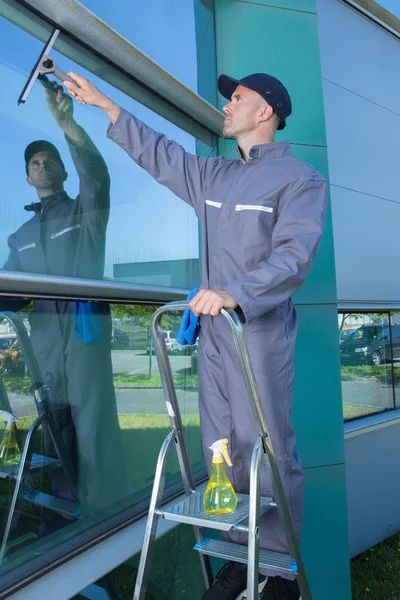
[120, 339]
[170, 341]
[11, 356]
[371, 344]
[345, 334]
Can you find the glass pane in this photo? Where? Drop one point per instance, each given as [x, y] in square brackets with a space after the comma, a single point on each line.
[366, 363]
[91, 460]
[395, 321]
[97, 203]
[165, 31]
[105, 410]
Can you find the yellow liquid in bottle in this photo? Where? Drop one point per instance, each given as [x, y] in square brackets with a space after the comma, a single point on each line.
[219, 497]
[9, 450]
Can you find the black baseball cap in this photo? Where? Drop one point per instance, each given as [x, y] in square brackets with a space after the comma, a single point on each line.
[271, 89]
[40, 146]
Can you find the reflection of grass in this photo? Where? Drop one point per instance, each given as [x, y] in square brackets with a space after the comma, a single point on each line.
[142, 437]
[351, 411]
[152, 421]
[383, 373]
[182, 379]
[17, 384]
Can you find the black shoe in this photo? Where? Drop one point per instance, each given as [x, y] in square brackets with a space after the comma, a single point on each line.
[230, 583]
[278, 588]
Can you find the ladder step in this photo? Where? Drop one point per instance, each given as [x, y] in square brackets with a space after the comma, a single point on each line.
[23, 539]
[190, 510]
[238, 553]
[66, 508]
[95, 592]
[38, 463]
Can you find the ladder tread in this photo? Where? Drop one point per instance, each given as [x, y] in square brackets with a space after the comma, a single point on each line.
[190, 510]
[238, 553]
[38, 463]
[62, 506]
[95, 592]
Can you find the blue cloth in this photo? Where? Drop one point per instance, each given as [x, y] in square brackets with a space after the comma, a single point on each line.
[87, 325]
[189, 329]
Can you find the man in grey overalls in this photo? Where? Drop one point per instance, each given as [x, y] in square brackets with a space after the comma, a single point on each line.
[262, 216]
[67, 237]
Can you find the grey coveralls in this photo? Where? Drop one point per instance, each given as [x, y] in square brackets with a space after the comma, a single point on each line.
[67, 237]
[262, 221]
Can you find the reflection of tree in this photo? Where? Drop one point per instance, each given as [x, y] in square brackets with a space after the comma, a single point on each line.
[345, 316]
[142, 314]
[375, 318]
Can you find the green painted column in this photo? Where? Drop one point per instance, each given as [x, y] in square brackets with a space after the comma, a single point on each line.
[280, 37]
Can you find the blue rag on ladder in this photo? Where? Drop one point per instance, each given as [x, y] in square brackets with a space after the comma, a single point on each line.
[87, 325]
[189, 329]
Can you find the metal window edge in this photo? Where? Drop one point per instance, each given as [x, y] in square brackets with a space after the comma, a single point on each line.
[75, 19]
[35, 285]
[367, 306]
[378, 14]
[370, 423]
[67, 580]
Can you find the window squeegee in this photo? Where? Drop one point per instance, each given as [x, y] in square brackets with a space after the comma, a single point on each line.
[43, 67]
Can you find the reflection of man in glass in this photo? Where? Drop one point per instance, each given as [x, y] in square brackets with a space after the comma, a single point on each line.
[67, 237]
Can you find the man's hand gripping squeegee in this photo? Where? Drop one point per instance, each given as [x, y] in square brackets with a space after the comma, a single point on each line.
[43, 67]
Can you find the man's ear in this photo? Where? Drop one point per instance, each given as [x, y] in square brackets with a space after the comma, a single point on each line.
[266, 113]
[65, 176]
[29, 181]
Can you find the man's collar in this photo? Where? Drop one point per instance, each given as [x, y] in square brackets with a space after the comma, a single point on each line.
[47, 202]
[267, 151]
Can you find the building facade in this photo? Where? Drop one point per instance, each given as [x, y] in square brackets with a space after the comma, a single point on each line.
[339, 60]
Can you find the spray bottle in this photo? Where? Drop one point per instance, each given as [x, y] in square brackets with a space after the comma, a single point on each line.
[9, 449]
[219, 497]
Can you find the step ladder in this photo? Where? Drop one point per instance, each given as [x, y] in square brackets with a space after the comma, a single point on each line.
[189, 508]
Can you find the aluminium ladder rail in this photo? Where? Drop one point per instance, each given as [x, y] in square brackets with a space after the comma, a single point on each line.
[249, 509]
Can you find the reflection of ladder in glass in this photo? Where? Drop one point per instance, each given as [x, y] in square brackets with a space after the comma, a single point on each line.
[31, 463]
[189, 508]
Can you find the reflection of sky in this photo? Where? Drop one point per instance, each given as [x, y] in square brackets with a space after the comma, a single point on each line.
[162, 29]
[147, 221]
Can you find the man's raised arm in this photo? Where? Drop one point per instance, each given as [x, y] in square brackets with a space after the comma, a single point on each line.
[94, 180]
[185, 174]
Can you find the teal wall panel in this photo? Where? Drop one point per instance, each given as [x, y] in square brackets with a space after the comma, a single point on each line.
[251, 39]
[206, 55]
[298, 5]
[324, 530]
[317, 402]
[271, 36]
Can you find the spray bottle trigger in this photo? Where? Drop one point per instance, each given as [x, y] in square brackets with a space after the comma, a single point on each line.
[224, 452]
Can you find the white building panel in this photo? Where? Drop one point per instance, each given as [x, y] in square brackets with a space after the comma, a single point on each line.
[360, 64]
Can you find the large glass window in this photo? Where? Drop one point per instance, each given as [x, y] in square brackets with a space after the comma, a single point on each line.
[91, 460]
[75, 205]
[369, 356]
[128, 227]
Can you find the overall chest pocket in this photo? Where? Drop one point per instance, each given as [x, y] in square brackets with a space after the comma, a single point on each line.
[252, 224]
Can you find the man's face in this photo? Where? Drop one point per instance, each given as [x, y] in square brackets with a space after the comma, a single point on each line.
[241, 113]
[45, 171]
